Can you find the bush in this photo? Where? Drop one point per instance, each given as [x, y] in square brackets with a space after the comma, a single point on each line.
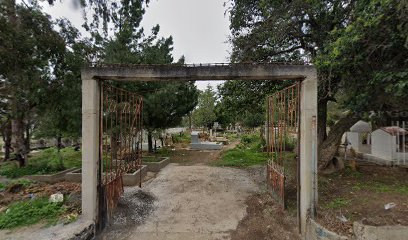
[181, 138]
[30, 212]
[251, 141]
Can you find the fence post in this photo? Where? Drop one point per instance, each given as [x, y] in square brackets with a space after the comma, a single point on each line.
[308, 148]
[90, 146]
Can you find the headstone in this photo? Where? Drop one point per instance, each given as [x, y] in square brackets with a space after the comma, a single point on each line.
[194, 137]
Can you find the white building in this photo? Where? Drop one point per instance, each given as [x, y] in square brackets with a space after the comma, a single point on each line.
[389, 143]
[359, 137]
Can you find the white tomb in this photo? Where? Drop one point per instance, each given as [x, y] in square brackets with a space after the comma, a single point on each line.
[359, 137]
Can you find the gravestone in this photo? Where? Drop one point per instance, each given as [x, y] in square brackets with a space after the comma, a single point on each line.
[197, 145]
[194, 137]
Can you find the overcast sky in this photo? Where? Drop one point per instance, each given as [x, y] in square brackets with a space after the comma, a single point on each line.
[199, 27]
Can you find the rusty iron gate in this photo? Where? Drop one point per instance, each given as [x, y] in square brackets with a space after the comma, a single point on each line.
[120, 144]
[283, 123]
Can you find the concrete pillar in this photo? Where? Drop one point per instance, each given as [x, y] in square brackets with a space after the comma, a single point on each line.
[308, 149]
[90, 146]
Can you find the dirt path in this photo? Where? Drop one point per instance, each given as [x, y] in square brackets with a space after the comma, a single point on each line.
[195, 202]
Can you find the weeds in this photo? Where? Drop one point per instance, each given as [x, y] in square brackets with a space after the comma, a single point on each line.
[380, 187]
[338, 203]
[247, 153]
[181, 138]
[30, 212]
[44, 162]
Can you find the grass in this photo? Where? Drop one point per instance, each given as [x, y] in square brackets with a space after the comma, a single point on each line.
[29, 212]
[247, 153]
[163, 152]
[25, 183]
[242, 158]
[380, 187]
[44, 162]
[152, 159]
[232, 136]
[338, 203]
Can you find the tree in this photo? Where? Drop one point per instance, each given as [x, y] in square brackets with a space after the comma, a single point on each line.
[167, 106]
[164, 103]
[59, 115]
[370, 56]
[245, 100]
[30, 50]
[204, 115]
[266, 31]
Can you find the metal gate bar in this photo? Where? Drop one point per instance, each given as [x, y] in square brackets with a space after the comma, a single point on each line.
[120, 140]
[283, 117]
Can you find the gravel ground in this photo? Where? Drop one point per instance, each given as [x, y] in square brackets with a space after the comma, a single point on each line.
[132, 209]
[185, 202]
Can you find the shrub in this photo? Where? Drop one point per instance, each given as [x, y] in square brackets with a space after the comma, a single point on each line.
[181, 137]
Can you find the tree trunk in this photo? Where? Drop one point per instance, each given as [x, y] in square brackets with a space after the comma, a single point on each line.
[189, 122]
[17, 139]
[321, 121]
[150, 141]
[7, 140]
[59, 142]
[328, 148]
[17, 123]
[27, 137]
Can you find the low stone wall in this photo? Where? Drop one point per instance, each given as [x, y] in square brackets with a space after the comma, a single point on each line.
[87, 232]
[129, 179]
[206, 146]
[50, 178]
[157, 166]
[133, 179]
[74, 176]
[365, 232]
[315, 231]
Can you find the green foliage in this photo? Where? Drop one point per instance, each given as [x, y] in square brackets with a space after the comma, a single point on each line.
[21, 181]
[244, 101]
[151, 159]
[359, 49]
[232, 136]
[30, 212]
[165, 104]
[181, 137]
[381, 187]
[163, 152]
[247, 153]
[242, 158]
[60, 112]
[251, 141]
[338, 203]
[30, 54]
[205, 115]
[369, 56]
[44, 162]
[25, 183]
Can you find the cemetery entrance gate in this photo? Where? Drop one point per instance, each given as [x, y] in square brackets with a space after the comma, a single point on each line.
[93, 79]
[120, 145]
